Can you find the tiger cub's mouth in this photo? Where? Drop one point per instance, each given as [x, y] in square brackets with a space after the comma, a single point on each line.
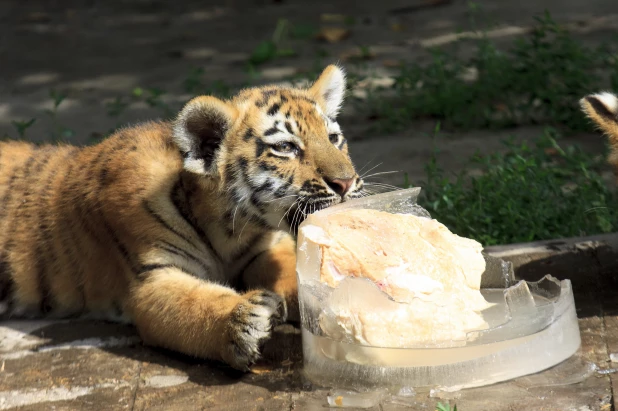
[300, 211]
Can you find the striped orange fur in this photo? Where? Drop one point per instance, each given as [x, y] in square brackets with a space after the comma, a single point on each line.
[185, 229]
[602, 109]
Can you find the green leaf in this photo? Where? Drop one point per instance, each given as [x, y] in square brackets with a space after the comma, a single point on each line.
[57, 98]
[303, 31]
[286, 53]
[22, 126]
[265, 51]
[445, 407]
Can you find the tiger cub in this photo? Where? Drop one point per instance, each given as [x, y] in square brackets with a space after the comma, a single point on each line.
[602, 109]
[186, 229]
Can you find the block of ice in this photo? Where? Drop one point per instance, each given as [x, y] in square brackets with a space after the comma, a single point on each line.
[530, 326]
[419, 282]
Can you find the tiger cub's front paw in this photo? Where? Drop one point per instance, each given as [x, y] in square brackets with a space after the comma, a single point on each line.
[250, 325]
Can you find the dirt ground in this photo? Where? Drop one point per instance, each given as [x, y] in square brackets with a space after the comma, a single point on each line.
[96, 50]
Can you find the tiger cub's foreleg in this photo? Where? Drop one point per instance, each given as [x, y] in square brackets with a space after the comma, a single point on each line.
[275, 270]
[174, 310]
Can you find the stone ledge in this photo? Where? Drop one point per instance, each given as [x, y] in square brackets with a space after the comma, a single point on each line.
[589, 262]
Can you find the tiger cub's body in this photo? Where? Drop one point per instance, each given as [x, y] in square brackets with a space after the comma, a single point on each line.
[182, 228]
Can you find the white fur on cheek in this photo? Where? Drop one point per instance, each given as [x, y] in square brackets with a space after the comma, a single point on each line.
[609, 100]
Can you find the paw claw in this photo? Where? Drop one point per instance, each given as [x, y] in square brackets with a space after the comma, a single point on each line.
[250, 326]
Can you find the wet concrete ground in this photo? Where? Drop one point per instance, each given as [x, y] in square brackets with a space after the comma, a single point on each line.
[71, 365]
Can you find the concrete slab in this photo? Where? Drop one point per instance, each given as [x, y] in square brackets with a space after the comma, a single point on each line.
[76, 365]
[117, 381]
[96, 365]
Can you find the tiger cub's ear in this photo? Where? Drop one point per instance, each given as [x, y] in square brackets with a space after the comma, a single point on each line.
[329, 90]
[602, 108]
[199, 130]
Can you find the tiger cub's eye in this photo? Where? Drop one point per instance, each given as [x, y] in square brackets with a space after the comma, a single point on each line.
[285, 147]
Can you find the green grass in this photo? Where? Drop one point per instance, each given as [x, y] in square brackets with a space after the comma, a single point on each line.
[445, 407]
[538, 80]
[533, 192]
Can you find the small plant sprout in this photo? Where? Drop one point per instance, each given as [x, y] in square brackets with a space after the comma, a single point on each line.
[59, 132]
[445, 407]
[275, 47]
[22, 126]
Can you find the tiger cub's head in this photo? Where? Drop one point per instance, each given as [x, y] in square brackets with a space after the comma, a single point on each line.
[602, 109]
[277, 153]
